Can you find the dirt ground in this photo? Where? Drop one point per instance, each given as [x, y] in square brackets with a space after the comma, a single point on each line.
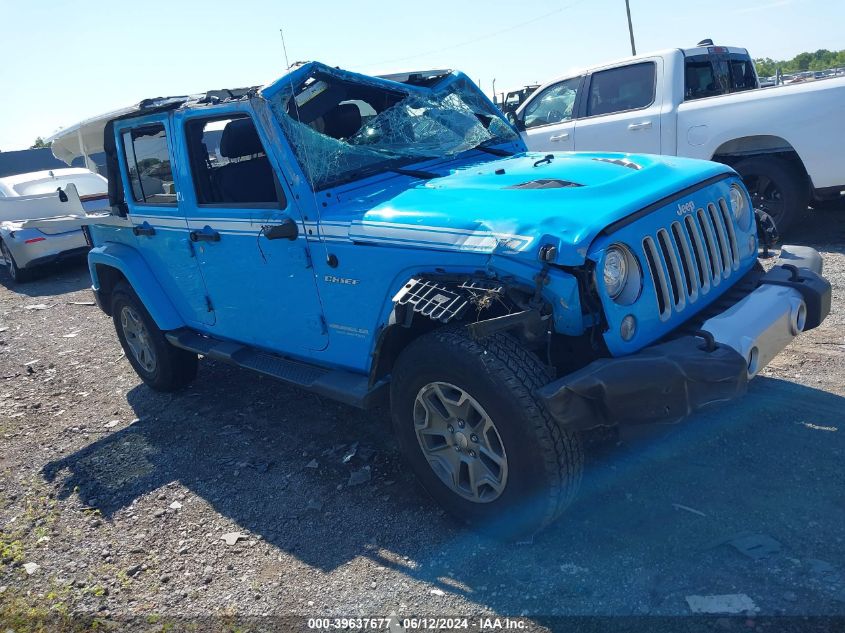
[114, 499]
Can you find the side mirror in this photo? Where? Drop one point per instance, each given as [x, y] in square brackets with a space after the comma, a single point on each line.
[288, 229]
[517, 122]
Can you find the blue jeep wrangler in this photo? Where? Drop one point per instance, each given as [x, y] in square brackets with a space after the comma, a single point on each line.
[369, 238]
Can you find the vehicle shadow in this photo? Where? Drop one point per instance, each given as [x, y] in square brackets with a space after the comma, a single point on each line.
[51, 280]
[651, 508]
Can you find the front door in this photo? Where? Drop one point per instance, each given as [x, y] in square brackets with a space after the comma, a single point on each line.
[248, 238]
[161, 232]
[622, 111]
[547, 119]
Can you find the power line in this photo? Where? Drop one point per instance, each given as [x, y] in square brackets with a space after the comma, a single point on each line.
[480, 38]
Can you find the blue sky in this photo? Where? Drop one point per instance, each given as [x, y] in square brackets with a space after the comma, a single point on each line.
[61, 62]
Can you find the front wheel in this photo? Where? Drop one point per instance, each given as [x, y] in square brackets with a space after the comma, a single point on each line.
[476, 437]
[159, 364]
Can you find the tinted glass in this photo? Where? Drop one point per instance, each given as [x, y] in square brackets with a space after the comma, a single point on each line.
[148, 164]
[229, 164]
[553, 105]
[620, 89]
[742, 74]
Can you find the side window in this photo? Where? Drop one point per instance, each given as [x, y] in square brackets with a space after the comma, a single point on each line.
[619, 89]
[148, 163]
[699, 78]
[228, 163]
[553, 105]
[742, 74]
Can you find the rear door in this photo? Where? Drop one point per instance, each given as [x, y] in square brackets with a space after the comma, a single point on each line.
[262, 289]
[547, 119]
[621, 109]
[161, 230]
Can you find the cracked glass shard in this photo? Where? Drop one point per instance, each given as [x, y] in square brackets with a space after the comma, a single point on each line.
[341, 131]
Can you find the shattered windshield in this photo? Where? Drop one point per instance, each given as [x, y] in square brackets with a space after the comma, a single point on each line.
[343, 129]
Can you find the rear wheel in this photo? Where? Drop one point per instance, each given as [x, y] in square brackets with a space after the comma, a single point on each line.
[776, 187]
[18, 275]
[476, 437]
[159, 364]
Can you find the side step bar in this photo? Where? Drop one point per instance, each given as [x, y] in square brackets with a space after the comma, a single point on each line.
[344, 386]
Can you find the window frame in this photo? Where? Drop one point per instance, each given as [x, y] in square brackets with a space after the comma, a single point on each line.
[208, 117]
[585, 101]
[124, 163]
[576, 106]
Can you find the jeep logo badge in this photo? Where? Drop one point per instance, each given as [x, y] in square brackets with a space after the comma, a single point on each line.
[687, 207]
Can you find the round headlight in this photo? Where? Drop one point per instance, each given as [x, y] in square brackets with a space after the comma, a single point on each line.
[615, 271]
[621, 274]
[740, 207]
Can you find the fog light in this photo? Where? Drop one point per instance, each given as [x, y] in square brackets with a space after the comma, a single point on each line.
[628, 327]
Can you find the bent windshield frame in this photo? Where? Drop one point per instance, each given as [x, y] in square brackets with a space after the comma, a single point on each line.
[342, 128]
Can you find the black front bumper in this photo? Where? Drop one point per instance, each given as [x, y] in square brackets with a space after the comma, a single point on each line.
[668, 381]
[662, 383]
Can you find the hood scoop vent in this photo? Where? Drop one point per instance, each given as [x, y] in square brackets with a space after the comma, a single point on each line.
[622, 162]
[545, 183]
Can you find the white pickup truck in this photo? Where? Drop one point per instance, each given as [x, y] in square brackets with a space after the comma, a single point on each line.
[787, 142]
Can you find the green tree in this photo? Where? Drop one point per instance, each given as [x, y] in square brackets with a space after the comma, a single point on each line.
[39, 143]
[802, 61]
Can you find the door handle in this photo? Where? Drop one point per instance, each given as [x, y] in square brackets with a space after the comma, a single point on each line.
[144, 229]
[559, 137]
[640, 126]
[206, 234]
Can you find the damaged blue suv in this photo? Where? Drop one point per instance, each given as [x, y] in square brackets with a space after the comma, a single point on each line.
[375, 238]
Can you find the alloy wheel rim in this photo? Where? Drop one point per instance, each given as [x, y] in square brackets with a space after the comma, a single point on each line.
[460, 442]
[138, 338]
[765, 195]
[8, 257]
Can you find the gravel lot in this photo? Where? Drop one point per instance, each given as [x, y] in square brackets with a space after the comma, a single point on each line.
[121, 496]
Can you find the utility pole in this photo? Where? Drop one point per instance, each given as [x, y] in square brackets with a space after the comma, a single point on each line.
[630, 27]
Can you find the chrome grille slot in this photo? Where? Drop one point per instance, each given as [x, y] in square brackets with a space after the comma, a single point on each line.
[687, 261]
[675, 278]
[702, 263]
[726, 218]
[713, 253]
[658, 277]
[721, 238]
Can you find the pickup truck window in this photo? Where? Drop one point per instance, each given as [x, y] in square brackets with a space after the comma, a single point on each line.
[717, 74]
[148, 164]
[743, 76]
[336, 141]
[620, 89]
[229, 164]
[554, 105]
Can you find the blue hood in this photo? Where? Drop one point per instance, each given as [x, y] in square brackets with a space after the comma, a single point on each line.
[511, 206]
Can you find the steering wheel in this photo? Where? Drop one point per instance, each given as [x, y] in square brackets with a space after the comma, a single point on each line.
[554, 116]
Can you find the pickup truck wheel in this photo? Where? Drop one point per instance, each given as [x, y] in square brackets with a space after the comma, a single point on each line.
[776, 187]
[159, 364]
[18, 275]
[476, 437]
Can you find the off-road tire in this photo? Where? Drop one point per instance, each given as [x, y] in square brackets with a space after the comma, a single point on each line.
[789, 181]
[545, 462]
[174, 368]
[18, 275]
